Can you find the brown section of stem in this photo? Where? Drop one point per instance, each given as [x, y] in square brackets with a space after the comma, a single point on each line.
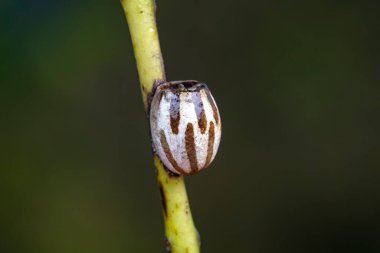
[163, 200]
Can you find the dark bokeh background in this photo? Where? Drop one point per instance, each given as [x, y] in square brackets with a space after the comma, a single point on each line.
[297, 84]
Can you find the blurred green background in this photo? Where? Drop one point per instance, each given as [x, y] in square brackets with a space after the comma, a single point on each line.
[297, 84]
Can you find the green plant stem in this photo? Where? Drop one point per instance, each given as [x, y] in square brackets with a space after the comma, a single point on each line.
[181, 234]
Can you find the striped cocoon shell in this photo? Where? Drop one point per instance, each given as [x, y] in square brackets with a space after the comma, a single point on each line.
[185, 126]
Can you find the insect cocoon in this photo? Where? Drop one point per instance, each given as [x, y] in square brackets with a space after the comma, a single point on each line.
[185, 126]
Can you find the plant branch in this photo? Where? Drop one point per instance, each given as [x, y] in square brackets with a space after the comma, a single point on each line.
[181, 234]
